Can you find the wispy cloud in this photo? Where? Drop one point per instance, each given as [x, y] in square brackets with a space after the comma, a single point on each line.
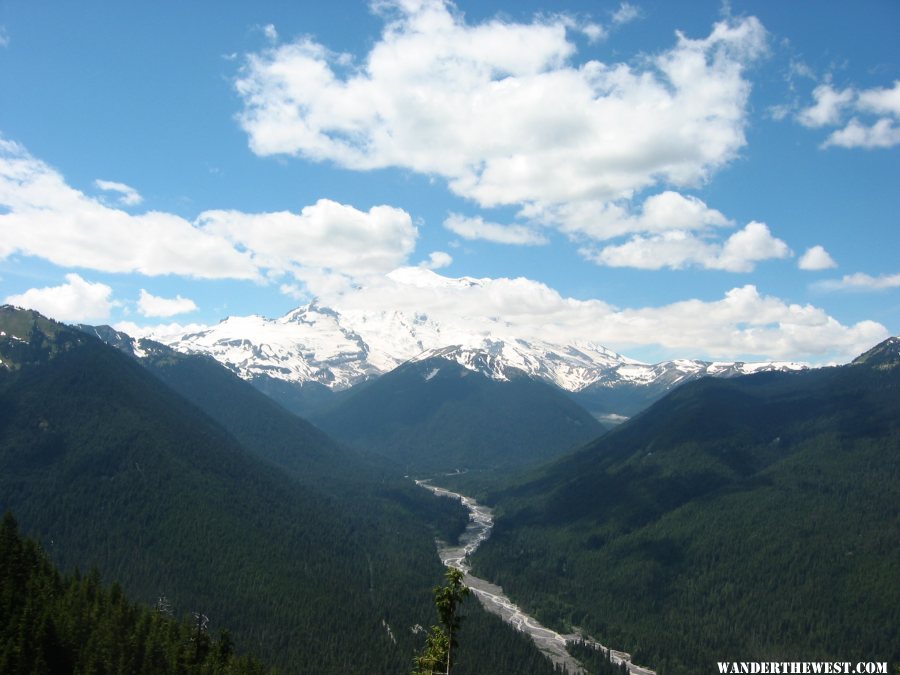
[269, 31]
[875, 116]
[860, 282]
[626, 13]
[593, 31]
[476, 228]
[128, 196]
[882, 134]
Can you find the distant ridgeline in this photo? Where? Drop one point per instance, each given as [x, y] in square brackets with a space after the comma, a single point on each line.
[175, 478]
[752, 519]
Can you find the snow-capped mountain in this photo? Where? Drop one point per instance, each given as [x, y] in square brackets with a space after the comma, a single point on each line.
[570, 367]
[311, 344]
[340, 349]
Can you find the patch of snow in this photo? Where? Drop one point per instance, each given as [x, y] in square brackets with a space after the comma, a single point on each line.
[432, 374]
[612, 418]
[390, 633]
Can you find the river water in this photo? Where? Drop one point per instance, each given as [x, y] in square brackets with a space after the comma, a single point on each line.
[491, 596]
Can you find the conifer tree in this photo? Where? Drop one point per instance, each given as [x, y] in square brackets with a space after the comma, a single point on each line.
[437, 656]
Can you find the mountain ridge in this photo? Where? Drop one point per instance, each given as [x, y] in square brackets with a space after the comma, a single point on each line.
[753, 515]
[314, 348]
[436, 415]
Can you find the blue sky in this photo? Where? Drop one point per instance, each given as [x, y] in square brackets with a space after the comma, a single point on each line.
[668, 179]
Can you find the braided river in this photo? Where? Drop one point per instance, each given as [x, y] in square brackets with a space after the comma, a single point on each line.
[493, 599]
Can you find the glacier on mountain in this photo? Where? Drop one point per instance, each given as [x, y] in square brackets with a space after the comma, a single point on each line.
[339, 349]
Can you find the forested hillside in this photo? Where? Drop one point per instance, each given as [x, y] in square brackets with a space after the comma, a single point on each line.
[435, 415]
[111, 468]
[54, 623]
[262, 426]
[748, 518]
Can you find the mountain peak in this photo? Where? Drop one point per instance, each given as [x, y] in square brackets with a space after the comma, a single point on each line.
[28, 337]
[19, 323]
[883, 355]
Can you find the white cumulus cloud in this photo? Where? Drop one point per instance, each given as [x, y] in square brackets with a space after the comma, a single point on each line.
[881, 134]
[743, 321]
[325, 235]
[75, 301]
[437, 260]
[678, 249]
[155, 306]
[507, 114]
[601, 220]
[881, 100]
[875, 116]
[502, 110]
[325, 241]
[828, 108]
[49, 219]
[746, 247]
[816, 258]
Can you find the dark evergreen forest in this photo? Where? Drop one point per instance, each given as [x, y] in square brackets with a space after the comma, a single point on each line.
[109, 467]
[754, 518]
[55, 623]
[436, 416]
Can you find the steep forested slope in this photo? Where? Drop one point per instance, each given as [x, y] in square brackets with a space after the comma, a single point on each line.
[748, 518]
[435, 415]
[260, 424]
[111, 468]
[53, 623]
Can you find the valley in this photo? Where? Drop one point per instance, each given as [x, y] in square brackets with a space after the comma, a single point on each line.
[494, 600]
[726, 501]
[449, 337]
[753, 515]
[245, 514]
